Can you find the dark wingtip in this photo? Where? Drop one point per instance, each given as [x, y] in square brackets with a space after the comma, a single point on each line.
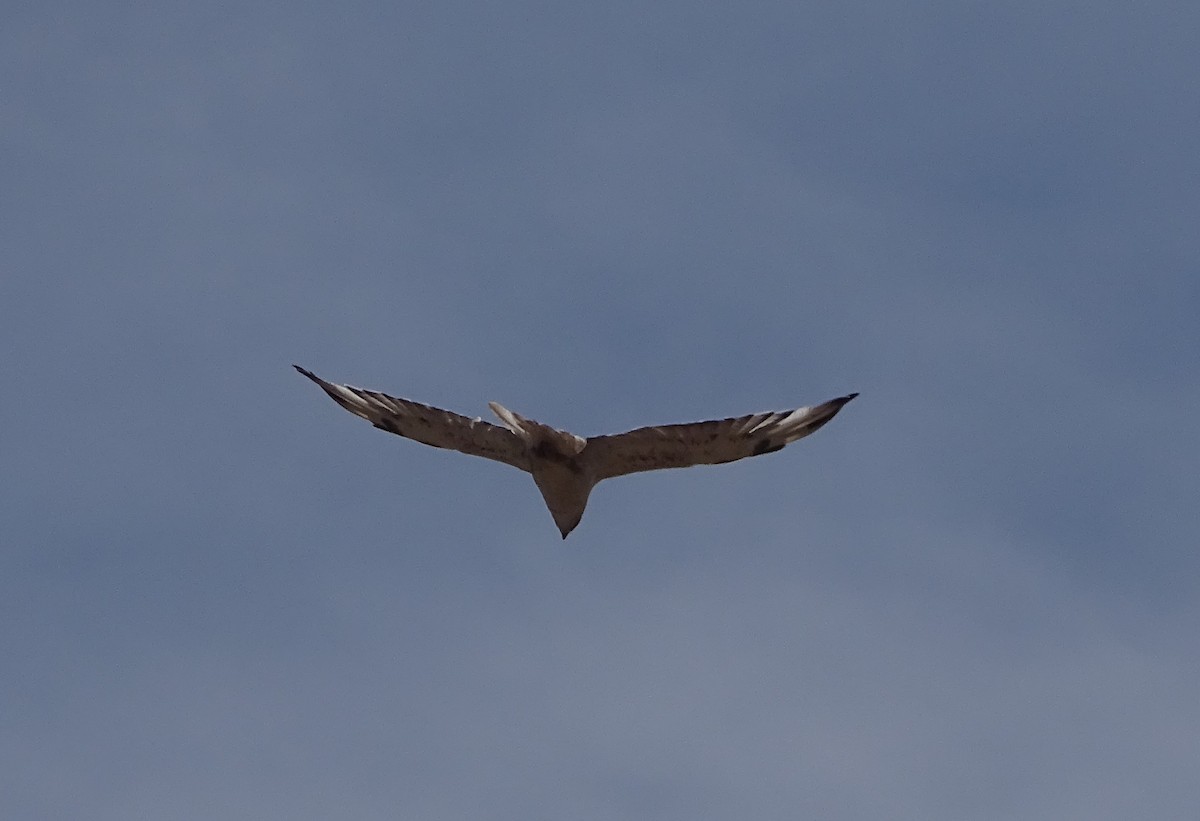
[827, 410]
[307, 373]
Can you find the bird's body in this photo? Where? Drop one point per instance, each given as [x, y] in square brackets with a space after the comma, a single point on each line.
[566, 467]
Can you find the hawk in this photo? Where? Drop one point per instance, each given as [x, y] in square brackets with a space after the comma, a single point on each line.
[566, 467]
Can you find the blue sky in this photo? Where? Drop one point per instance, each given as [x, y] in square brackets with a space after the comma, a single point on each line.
[973, 595]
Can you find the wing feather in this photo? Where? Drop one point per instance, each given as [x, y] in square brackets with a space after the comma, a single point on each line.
[704, 443]
[428, 425]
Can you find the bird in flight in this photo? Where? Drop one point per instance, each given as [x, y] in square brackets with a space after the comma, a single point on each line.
[566, 467]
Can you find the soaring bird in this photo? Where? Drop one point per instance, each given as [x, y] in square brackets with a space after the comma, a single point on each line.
[566, 467]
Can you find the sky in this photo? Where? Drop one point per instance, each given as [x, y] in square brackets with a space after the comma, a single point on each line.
[973, 595]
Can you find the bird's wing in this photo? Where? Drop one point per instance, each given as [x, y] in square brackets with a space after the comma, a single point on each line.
[704, 443]
[430, 426]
